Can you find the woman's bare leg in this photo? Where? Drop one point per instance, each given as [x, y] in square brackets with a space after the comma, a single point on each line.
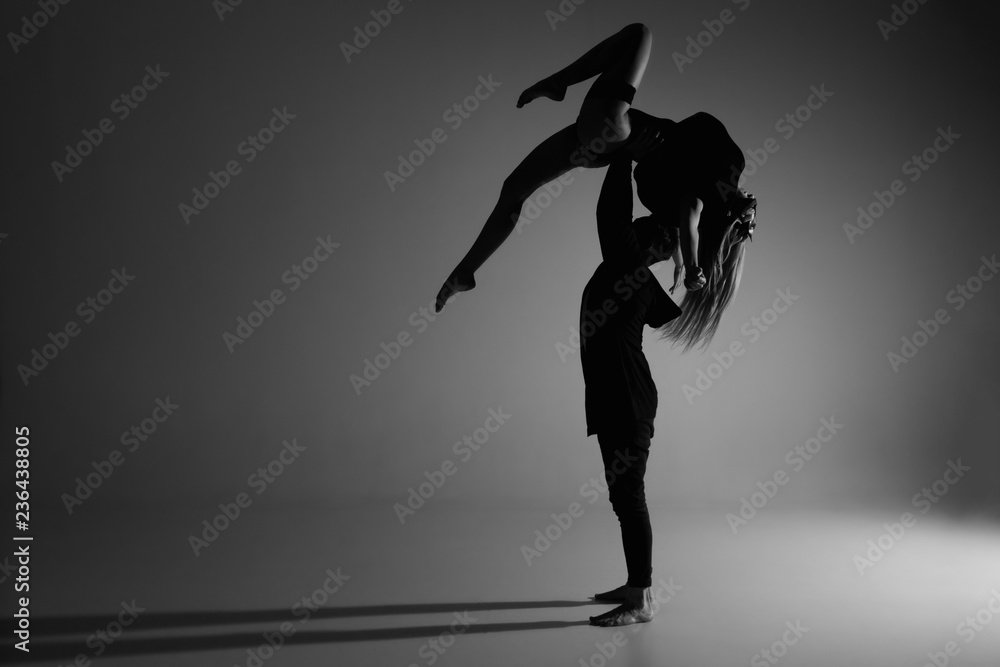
[547, 162]
[621, 58]
[601, 127]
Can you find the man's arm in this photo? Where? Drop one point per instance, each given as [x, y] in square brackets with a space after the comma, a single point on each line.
[614, 211]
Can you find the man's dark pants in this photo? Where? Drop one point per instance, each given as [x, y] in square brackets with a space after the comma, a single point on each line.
[625, 450]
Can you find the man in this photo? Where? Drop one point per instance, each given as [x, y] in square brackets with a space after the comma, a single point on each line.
[620, 299]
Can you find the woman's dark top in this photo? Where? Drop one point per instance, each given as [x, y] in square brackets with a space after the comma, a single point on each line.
[698, 157]
[621, 298]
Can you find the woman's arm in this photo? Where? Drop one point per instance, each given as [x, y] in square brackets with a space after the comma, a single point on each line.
[678, 263]
[690, 214]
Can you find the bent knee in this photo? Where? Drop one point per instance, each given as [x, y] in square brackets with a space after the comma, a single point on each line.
[640, 29]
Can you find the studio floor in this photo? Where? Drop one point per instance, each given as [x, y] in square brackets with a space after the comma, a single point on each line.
[461, 586]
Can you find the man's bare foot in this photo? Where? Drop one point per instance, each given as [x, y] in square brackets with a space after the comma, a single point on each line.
[614, 595]
[544, 88]
[637, 608]
[460, 280]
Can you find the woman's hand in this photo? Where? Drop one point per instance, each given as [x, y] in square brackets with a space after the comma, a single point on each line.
[644, 142]
[694, 278]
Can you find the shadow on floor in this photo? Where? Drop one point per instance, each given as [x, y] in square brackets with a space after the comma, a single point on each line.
[43, 649]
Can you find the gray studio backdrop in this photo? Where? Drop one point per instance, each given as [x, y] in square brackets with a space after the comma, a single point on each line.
[318, 168]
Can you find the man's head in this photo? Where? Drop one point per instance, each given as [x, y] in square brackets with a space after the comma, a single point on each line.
[653, 233]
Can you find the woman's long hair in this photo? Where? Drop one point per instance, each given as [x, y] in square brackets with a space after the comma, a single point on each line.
[721, 249]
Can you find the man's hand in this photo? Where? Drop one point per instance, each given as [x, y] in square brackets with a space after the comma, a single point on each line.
[646, 140]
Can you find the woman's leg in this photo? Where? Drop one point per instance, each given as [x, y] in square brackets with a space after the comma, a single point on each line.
[625, 454]
[547, 162]
[601, 127]
[620, 61]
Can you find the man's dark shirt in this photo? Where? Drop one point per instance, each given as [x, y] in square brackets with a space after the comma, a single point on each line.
[621, 298]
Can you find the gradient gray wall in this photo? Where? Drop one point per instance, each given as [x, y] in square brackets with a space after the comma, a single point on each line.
[497, 347]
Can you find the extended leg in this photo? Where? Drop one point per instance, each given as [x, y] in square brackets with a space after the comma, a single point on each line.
[547, 162]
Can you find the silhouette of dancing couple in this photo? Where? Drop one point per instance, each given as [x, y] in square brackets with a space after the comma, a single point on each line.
[686, 174]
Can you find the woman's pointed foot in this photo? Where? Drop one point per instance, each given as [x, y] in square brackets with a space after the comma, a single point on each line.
[544, 88]
[460, 280]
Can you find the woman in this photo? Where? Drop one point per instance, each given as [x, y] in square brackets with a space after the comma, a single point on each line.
[697, 158]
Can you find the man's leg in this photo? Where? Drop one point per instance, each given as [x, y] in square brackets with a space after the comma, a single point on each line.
[625, 453]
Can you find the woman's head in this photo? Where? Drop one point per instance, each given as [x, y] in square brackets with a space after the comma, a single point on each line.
[722, 239]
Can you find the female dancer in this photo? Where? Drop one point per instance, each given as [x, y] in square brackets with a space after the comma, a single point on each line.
[697, 158]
